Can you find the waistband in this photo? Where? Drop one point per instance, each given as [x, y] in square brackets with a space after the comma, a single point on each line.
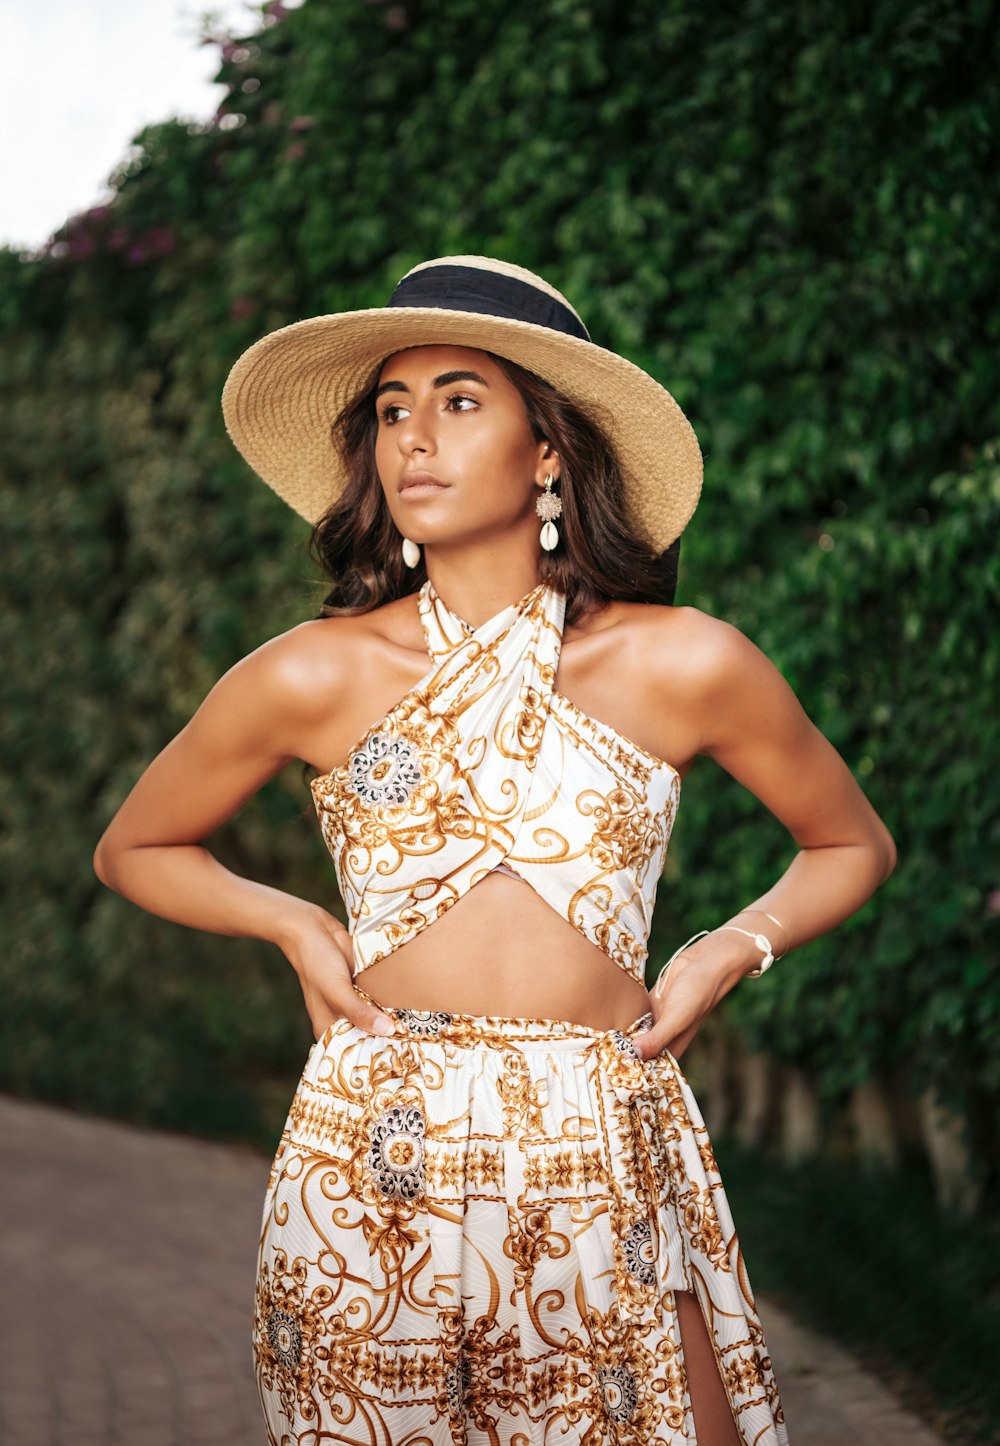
[502, 1031]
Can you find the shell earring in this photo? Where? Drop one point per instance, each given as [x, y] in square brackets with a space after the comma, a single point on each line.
[411, 552]
[548, 506]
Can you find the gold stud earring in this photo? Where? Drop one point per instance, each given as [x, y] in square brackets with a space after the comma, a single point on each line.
[548, 506]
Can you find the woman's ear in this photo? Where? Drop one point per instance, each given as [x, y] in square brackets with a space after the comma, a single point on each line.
[548, 462]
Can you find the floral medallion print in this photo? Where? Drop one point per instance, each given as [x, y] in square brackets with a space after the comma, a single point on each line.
[285, 1334]
[385, 771]
[621, 1395]
[474, 1231]
[424, 1021]
[288, 1326]
[458, 1378]
[396, 1157]
[640, 1256]
[623, 1044]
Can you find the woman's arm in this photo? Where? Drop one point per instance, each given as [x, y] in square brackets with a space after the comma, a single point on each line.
[749, 720]
[251, 724]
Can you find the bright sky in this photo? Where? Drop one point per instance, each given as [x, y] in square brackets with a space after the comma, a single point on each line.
[78, 78]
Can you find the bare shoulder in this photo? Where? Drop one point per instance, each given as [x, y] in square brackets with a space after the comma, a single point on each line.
[271, 707]
[294, 671]
[312, 662]
[700, 677]
[685, 644]
[712, 649]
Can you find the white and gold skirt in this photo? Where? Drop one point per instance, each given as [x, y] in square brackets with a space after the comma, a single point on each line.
[472, 1235]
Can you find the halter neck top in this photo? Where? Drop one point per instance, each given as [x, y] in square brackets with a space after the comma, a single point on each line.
[484, 764]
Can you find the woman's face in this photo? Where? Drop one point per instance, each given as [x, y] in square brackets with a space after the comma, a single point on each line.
[451, 413]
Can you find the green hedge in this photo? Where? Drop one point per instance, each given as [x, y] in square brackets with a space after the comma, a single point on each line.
[787, 214]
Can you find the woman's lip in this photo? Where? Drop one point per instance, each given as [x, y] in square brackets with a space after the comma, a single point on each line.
[420, 487]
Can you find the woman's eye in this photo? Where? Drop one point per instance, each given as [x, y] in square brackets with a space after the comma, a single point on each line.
[388, 413]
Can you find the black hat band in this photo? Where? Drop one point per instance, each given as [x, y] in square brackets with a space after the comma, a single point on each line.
[488, 293]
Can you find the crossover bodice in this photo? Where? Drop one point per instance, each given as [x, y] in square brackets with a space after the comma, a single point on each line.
[484, 764]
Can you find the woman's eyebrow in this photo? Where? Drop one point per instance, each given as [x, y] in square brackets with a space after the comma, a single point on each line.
[444, 380]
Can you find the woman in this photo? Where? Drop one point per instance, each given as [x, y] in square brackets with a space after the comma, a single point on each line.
[494, 1214]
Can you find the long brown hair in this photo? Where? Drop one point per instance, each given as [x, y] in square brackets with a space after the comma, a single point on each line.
[600, 556]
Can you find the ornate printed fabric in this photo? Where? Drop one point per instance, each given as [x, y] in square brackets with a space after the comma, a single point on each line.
[484, 761]
[472, 1235]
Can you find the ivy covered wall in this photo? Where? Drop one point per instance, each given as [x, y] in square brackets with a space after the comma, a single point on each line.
[789, 215]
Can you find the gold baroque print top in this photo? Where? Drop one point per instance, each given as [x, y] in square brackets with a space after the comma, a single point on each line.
[483, 763]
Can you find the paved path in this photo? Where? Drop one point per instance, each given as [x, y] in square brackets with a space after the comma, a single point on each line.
[126, 1276]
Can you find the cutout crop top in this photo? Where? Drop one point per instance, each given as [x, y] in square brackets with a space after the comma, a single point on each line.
[484, 764]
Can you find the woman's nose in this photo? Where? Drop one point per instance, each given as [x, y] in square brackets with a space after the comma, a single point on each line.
[414, 432]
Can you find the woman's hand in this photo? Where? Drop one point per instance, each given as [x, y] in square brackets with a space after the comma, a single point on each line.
[320, 950]
[684, 994]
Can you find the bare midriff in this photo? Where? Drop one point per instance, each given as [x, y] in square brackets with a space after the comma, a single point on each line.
[502, 950]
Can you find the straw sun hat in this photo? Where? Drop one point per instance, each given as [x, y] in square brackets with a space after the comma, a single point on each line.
[285, 390]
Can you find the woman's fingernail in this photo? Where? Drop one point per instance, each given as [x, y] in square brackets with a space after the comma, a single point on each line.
[383, 1025]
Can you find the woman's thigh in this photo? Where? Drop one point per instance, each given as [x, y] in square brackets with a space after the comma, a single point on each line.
[713, 1417]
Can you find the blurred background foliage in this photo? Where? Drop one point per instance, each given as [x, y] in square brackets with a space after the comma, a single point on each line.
[789, 215]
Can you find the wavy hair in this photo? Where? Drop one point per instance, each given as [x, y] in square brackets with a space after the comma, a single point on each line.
[600, 556]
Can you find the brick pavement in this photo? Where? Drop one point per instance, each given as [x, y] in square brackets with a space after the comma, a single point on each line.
[126, 1271]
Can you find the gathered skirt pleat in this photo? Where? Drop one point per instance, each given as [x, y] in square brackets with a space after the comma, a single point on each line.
[472, 1234]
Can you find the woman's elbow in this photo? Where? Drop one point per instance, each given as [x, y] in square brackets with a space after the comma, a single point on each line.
[103, 862]
[888, 851]
[99, 867]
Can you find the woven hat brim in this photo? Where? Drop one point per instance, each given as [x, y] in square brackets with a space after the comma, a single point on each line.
[283, 393]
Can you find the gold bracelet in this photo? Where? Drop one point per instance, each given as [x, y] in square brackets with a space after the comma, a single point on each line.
[773, 921]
